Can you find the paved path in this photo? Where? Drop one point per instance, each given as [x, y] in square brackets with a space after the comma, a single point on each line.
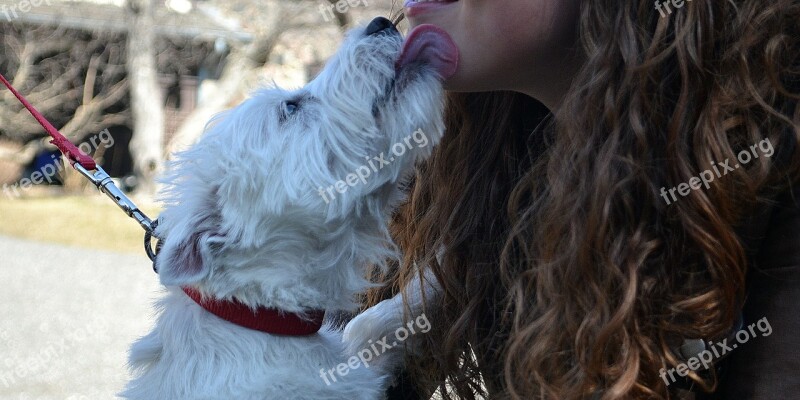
[67, 317]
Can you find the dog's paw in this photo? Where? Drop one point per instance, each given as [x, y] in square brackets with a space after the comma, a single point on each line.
[373, 324]
[374, 331]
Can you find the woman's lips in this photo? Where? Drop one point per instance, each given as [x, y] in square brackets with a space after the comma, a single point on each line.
[414, 7]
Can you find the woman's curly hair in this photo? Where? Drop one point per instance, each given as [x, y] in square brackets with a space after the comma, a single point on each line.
[566, 273]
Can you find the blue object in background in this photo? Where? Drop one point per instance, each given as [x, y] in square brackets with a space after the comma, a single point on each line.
[45, 162]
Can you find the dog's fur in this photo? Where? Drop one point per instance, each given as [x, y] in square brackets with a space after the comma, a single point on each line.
[385, 319]
[244, 220]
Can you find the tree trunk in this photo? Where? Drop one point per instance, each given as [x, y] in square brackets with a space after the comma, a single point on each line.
[147, 143]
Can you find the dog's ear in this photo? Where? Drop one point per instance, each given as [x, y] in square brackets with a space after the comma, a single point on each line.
[187, 259]
[190, 228]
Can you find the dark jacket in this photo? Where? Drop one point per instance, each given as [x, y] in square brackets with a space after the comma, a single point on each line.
[768, 367]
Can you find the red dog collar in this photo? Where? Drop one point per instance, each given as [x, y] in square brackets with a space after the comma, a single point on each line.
[262, 319]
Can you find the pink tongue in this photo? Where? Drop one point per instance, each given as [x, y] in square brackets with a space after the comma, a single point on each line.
[433, 46]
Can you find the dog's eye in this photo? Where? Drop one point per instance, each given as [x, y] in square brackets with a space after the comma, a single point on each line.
[288, 108]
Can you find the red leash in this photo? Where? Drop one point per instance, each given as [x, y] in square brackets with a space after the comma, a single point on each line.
[84, 164]
[68, 149]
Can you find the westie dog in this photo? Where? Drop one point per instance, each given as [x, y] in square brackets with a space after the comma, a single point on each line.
[273, 218]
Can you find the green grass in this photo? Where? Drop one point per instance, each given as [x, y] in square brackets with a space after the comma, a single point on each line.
[91, 221]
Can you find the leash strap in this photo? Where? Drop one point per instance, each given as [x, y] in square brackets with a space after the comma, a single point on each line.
[68, 149]
[84, 164]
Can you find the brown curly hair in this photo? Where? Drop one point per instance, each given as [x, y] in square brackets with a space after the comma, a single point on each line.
[565, 273]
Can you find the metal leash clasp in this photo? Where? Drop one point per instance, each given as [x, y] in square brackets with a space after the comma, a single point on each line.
[106, 185]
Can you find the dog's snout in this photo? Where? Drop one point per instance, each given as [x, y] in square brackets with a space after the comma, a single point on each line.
[380, 25]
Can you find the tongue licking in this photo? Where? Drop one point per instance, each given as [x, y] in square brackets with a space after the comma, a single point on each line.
[433, 46]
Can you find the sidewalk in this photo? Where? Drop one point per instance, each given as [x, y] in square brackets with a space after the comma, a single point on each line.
[67, 318]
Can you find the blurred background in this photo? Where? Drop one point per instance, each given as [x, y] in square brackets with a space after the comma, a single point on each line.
[130, 82]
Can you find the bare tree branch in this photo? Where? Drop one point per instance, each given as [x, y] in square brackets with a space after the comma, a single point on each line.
[72, 77]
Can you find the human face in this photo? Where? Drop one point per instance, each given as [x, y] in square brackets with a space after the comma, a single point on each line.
[528, 46]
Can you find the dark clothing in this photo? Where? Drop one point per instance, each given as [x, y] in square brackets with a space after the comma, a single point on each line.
[769, 367]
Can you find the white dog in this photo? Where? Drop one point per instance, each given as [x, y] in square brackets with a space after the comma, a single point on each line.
[273, 217]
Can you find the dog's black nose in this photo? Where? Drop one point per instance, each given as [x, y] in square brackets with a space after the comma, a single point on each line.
[379, 25]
